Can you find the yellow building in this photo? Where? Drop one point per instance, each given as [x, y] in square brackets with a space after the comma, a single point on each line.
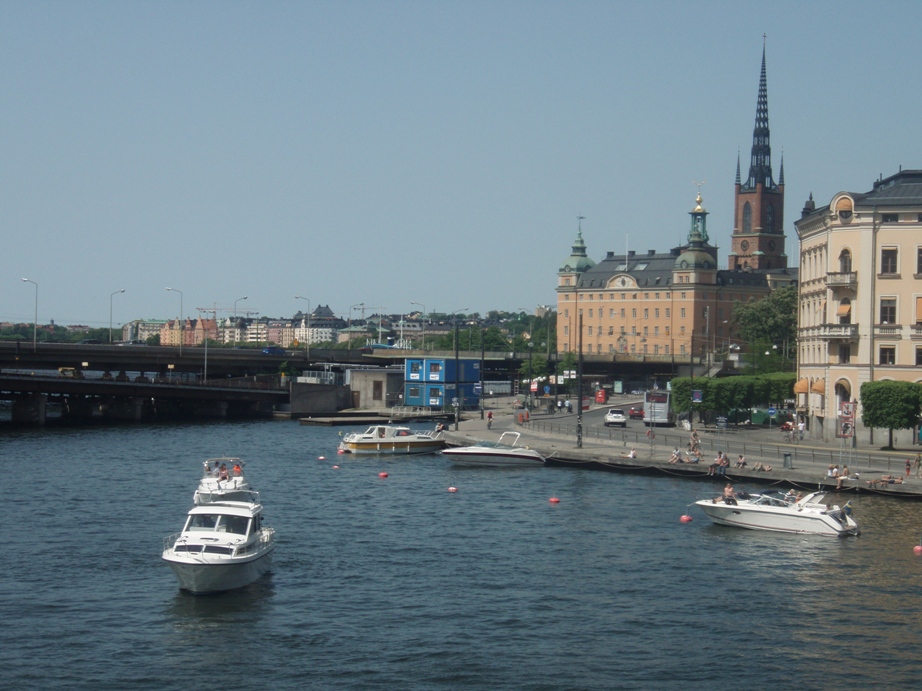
[860, 298]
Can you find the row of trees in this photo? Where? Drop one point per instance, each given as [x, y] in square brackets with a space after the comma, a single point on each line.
[731, 393]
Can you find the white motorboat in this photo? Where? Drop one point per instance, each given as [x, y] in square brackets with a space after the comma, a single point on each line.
[223, 546]
[391, 439]
[223, 480]
[503, 452]
[781, 512]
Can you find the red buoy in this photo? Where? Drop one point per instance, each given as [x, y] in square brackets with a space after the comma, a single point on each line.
[554, 500]
[335, 467]
[452, 489]
[917, 550]
[340, 452]
[382, 474]
[321, 458]
[686, 519]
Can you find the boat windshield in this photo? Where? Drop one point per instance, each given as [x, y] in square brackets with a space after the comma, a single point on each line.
[219, 523]
[771, 500]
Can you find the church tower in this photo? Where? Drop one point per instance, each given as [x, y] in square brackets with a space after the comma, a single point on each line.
[758, 235]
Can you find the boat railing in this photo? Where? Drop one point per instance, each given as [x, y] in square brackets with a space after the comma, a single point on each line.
[170, 540]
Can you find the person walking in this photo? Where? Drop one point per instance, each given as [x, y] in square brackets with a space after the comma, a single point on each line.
[490, 419]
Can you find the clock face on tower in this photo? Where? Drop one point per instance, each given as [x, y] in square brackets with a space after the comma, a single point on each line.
[771, 245]
[744, 245]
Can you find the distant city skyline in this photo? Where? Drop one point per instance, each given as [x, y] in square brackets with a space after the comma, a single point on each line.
[408, 153]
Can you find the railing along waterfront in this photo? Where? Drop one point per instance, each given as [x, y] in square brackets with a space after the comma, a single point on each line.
[720, 440]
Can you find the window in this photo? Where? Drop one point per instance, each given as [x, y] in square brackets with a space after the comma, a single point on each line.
[888, 261]
[656, 312]
[646, 313]
[667, 333]
[720, 312]
[682, 349]
[919, 260]
[590, 349]
[413, 392]
[611, 313]
[747, 218]
[683, 296]
[622, 330]
[590, 314]
[845, 262]
[566, 313]
[681, 330]
[656, 350]
[918, 356]
[646, 331]
[888, 355]
[566, 330]
[845, 354]
[682, 313]
[667, 313]
[590, 333]
[611, 330]
[634, 313]
[889, 218]
[667, 350]
[656, 331]
[888, 310]
[622, 313]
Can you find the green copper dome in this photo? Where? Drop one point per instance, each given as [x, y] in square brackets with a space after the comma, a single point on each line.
[578, 261]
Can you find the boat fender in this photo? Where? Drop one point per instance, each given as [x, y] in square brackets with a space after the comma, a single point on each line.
[521, 418]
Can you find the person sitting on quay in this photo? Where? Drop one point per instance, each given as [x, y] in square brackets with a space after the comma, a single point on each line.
[631, 454]
[761, 468]
[712, 469]
[724, 464]
[886, 480]
[842, 477]
[676, 455]
[741, 461]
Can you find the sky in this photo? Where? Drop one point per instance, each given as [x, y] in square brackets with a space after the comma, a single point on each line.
[392, 153]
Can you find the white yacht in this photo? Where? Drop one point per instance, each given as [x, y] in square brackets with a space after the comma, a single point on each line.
[502, 452]
[391, 439]
[223, 546]
[783, 513]
[223, 479]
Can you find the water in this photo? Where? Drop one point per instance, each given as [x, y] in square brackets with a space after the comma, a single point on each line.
[398, 584]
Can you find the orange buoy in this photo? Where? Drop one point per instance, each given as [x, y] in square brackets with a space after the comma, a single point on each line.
[382, 474]
[340, 452]
[554, 500]
[686, 519]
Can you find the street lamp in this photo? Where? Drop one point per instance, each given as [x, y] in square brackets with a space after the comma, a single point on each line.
[349, 328]
[35, 320]
[307, 336]
[180, 318]
[454, 316]
[235, 318]
[112, 295]
[424, 321]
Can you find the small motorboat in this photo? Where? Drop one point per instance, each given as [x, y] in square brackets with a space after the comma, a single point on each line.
[784, 513]
[223, 480]
[503, 452]
[392, 439]
[223, 546]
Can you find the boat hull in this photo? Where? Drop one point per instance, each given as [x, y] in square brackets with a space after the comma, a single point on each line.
[392, 447]
[490, 457]
[204, 574]
[782, 521]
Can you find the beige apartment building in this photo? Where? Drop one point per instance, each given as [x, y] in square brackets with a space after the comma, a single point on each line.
[860, 306]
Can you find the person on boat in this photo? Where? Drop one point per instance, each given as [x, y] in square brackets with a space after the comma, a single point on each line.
[728, 496]
[238, 469]
[217, 470]
[222, 473]
[440, 427]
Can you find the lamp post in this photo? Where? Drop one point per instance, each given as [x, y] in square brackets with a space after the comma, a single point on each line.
[235, 317]
[457, 379]
[180, 318]
[424, 321]
[307, 336]
[482, 354]
[531, 348]
[35, 319]
[349, 329]
[112, 295]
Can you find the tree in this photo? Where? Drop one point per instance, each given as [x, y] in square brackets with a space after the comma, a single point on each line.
[771, 321]
[890, 405]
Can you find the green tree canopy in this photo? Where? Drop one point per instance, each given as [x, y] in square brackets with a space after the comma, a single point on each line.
[771, 320]
[890, 405]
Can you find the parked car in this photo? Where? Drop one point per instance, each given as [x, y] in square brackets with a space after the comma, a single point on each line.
[636, 412]
[273, 350]
[615, 416]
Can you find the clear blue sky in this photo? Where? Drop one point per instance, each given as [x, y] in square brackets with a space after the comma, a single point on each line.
[399, 152]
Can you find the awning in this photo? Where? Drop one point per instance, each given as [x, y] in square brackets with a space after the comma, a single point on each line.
[803, 386]
[819, 386]
[844, 309]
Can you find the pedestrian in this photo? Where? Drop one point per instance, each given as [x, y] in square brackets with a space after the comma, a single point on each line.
[800, 429]
[908, 467]
[919, 465]
[490, 419]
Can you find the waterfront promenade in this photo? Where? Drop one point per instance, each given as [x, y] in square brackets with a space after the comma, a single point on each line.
[604, 449]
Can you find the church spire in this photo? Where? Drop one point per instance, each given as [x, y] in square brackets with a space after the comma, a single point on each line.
[760, 166]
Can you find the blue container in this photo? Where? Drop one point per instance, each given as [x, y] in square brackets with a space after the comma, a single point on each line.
[414, 369]
[415, 394]
[443, 370]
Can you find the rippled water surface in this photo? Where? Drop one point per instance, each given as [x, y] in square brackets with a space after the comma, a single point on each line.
[398, 584]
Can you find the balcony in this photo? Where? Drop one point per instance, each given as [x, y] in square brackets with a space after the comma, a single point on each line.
[888, 330]
[843, 332]
[842, 279]
[915, 331]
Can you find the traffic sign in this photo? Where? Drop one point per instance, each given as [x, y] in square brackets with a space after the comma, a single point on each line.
[721, 423]
[547, 389]
[534, 386]
[772, 411]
